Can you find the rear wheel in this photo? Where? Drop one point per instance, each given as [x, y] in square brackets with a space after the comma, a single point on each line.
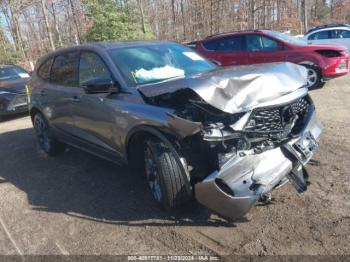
[47, 142]
[314, 77]
[165, 177]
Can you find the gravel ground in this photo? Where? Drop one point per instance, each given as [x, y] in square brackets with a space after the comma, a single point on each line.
[78, 204]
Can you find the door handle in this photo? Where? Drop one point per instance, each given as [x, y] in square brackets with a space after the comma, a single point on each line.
[76, 99]
[42, 92]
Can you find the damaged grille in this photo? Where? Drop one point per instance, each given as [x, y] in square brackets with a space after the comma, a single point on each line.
[278, 121]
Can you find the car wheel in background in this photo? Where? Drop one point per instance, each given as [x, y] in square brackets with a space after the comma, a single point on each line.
[164, 176]
[47, 141]
[314, 77]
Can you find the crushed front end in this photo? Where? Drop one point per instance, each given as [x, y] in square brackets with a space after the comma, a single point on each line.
[272, 147]
[241, 132]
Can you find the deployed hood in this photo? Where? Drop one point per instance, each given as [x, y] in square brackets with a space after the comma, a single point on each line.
[14, 86]
[237, 89]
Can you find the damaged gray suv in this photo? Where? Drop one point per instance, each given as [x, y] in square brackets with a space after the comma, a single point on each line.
[226, 136]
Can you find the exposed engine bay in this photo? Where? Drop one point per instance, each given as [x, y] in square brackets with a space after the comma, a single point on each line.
[223, 135]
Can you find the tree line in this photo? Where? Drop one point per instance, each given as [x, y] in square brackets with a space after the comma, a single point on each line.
[31, 28]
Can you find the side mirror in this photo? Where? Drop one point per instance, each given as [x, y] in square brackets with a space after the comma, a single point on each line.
[99, 85]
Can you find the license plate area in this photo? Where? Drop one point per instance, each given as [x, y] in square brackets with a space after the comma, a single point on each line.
[303, 148]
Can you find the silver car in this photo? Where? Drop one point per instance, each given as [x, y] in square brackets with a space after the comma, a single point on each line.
[226, 136]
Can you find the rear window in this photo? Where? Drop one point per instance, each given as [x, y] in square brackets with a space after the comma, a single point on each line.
[65, 69]
[320, 35]
[44, 69]
[233, 43]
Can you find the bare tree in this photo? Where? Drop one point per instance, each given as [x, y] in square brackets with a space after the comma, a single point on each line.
[48, 29]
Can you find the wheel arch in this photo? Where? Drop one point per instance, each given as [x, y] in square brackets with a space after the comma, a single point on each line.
[33, 111]
[137, 136]
[308, 62]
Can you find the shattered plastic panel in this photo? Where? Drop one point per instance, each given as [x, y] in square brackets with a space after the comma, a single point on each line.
[237, 89]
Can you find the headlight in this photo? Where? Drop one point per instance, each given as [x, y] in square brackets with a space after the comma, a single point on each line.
[4, 92]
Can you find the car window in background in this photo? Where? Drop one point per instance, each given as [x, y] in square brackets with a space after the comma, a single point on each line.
[65, 69]
[12, 73]
[341, 34]
[92, 67]
[232, 43]
[153, 63]
[320, 35]
[286, 38]
[260, 43]
[44, 70]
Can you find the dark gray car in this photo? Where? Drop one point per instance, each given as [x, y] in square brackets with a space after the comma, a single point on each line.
[227, 136]
[13, 99]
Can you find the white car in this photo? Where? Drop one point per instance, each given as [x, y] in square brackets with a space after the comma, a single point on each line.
[329, 34]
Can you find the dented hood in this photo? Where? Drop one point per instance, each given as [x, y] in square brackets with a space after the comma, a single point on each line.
[237, 89]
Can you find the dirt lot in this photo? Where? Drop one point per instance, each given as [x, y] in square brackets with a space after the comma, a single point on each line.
[77, 204]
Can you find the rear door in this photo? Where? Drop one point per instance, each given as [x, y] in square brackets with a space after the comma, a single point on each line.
[263, 49]
[59, 91]
[229, 51]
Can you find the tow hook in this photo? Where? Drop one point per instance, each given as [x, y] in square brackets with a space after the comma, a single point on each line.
[266, 198]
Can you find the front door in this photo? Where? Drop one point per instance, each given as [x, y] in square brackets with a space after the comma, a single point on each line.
[94, 113]
[262, 49]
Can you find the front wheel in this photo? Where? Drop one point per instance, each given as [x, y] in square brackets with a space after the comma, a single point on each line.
[165, 177]
[314, 77]
[47, 142]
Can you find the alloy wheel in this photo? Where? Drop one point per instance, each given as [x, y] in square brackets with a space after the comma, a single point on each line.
[152, 174]
[311, 77]
[42, 133]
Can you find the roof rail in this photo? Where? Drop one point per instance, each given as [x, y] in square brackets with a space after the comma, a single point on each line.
[326, 26]
[236, 31]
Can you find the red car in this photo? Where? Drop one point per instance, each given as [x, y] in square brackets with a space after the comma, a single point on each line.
[262, 46]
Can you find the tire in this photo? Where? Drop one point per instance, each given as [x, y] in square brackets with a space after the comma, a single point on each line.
[166, 180]
[314, 77]
[47, 142]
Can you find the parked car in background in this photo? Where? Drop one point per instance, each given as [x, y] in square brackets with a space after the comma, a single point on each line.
[13, 97]
[226, 135]
[329, 34]
[323, 62]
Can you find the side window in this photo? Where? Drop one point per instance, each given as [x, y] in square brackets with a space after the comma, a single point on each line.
[260, 43]
[345, 34]
[233, 43]
[65, 69]
[269, 44]
[92, 67]
[320, 35]
[211, 45]
[341, 34]
[44, 69]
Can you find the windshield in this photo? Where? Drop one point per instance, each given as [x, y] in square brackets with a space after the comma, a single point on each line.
[155, 63]
[12, 73]
[286, 38]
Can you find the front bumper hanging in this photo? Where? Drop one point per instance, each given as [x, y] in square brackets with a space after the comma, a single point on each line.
[234, 189]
